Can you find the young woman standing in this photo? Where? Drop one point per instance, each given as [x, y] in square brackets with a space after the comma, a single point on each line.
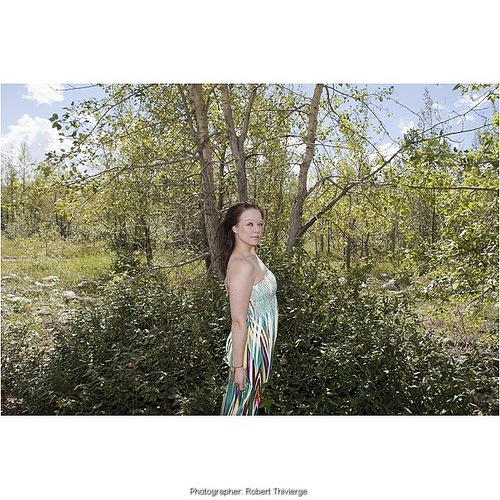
[254, 309]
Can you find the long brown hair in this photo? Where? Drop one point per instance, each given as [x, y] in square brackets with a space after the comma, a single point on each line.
[225, 234]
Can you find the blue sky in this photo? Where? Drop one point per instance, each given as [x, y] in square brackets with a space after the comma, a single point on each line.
[26, 109]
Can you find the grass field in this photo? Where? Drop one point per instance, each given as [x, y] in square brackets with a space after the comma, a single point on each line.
[42, 282]
[69, 261]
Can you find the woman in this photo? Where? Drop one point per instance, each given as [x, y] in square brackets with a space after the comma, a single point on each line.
[254, 309]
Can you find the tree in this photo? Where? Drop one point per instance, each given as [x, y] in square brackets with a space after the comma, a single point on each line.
[237, 142]
[296, 229]
[24, 200]
[199, 128]
[183, 153]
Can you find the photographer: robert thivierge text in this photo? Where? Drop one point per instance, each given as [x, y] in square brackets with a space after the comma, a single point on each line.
[248, 491]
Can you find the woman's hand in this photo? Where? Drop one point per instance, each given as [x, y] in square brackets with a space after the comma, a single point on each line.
[240, 378]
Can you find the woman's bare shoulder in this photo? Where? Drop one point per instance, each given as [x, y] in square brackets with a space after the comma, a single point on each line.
[240, 270]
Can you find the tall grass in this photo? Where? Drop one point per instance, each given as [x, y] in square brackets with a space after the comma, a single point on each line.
[70, 261]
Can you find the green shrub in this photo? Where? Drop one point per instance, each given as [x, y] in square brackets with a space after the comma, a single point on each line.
[144, 348]
[150, 347]
[344, 351]
[24, 355]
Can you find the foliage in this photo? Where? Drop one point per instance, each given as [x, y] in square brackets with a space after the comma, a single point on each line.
[132, 183]
[149, 347]
[24, 354]
[144, 348]
[132, 176]
[342, 350]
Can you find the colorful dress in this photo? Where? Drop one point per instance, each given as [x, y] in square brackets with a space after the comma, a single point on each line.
[262, 326]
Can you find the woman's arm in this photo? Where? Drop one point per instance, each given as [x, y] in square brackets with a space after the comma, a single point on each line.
[240, 277]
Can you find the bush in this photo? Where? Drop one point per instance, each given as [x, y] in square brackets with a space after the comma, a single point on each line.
[24, 354]
[148, 347]
[144, 348]
[344, 351]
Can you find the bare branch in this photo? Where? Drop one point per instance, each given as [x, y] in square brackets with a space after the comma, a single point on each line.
[458, 188]
[150, 269]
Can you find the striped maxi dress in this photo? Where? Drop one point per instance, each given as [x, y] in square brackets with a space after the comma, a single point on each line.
[262, 326]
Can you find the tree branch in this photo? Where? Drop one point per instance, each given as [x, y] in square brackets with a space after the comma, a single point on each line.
[150, 269]
[458, 188]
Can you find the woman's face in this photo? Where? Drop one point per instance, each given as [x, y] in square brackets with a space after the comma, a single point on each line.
[250, 227]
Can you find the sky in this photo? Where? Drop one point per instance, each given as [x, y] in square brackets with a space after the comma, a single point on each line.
[26, 109]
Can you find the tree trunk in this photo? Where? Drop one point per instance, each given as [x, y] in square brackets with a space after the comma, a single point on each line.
[433, 223]
[204, 148]
[365, 247]
[220, 197]
[147, 240]
[236, 142]
[294, 232]
[348, 252]
[349, 247]
[393, 236]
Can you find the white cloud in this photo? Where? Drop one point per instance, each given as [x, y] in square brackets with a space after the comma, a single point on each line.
[45, 93]
[385, 150]
[471, 100]
[439, 106]
[37, 133]
[388, 149]
[463, 103]
[466, 103]
[296, 144]
[405, 125]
